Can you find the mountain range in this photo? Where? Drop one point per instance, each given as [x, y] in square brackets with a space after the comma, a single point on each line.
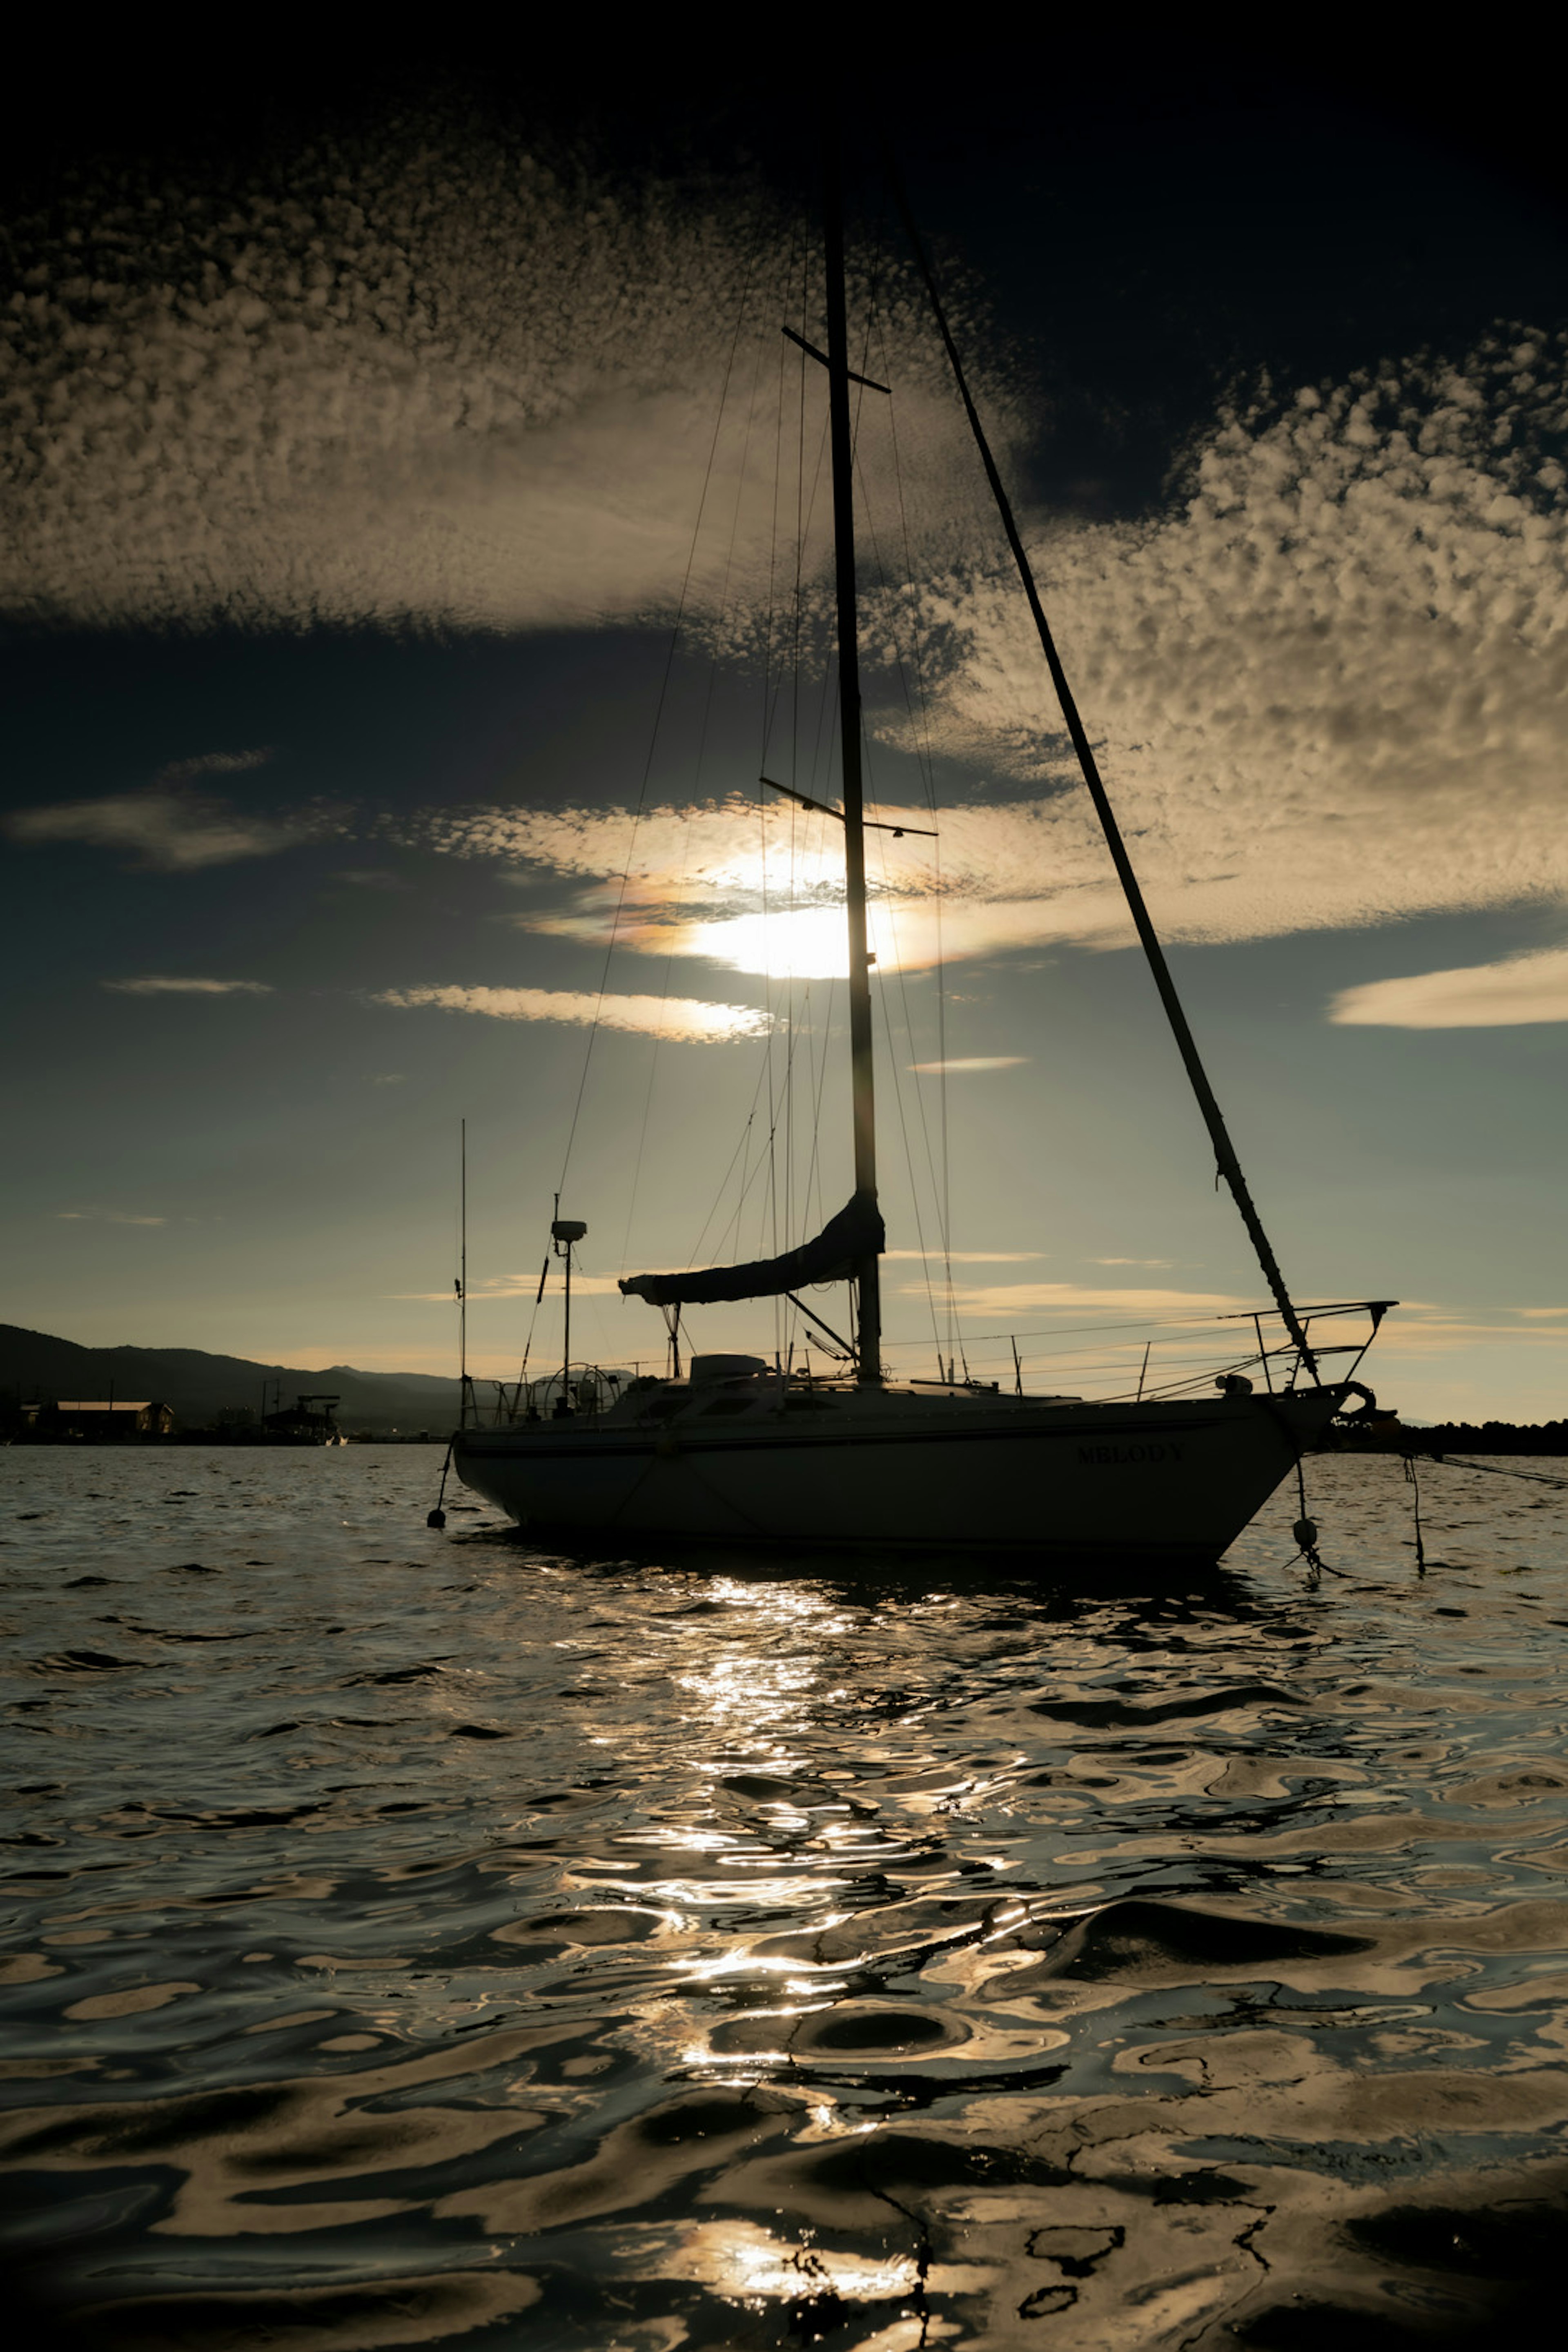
[198, 1386]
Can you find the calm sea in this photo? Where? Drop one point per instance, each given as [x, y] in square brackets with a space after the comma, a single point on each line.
[417, 1938]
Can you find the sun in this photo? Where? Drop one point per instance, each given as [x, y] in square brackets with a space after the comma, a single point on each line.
[802, 943]
[809, 942]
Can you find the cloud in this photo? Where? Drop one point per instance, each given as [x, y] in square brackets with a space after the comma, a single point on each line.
[1132, 1261]
[172, 832]
[424, 376]
[212, 763]
[969, 1257]
[970, 1062]
[430, 378]
[687, 1020]
[1004, 1298]
[105, 1217]
[1434, 1331]
[754, 889]
[516, 1286]
[1519, 988]
[1327, 684]
[154, 983]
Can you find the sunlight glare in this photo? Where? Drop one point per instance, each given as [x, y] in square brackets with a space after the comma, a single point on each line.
[743, 2260]
[806, 943]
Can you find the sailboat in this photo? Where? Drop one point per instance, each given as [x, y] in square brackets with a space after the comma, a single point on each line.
[739, 1448]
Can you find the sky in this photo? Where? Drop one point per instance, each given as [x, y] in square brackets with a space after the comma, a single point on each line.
[413, 548]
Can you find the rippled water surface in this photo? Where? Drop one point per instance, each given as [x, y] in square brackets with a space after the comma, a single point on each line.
[414, 1938]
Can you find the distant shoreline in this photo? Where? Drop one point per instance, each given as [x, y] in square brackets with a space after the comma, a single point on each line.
[244, 1440]
[1450, 1437]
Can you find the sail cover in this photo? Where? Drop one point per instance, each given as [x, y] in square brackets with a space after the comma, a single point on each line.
[857, 1232]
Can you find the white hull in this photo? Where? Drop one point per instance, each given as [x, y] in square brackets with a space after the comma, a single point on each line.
[1057, 1480]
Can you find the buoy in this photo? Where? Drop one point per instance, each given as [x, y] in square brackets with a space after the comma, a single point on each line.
[438, 1518]
[1304, 1534]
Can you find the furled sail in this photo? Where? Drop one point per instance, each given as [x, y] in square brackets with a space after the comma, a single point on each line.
[857, 1232]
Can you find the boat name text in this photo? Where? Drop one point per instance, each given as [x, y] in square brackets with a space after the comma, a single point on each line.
[1169, 1452]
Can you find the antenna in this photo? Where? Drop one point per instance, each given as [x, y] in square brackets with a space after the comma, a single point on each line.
[564, 1233]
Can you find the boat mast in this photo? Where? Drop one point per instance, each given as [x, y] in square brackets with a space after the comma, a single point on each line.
[869, 1328]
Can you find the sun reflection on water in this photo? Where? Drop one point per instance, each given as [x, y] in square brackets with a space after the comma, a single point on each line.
[771, 1661]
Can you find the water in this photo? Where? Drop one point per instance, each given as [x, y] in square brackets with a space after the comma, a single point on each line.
[416, 1939]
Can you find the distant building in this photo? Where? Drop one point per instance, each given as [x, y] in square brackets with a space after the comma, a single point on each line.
[109, 1418]
[301, 1425]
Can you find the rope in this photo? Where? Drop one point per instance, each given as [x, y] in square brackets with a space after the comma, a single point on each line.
[1493, 1469]
[438, 1518]
[1414, 1482]
[1305, 1530]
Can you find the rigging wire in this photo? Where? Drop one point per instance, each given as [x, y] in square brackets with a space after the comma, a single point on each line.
[941, 1190]
[892, 604]
[792, 994]
[882, 996]
[927, 762]
[769, 1003]
[1129, 1323]
[724, 1179]
[768, 992]
[720, 614]
[659, 706]
[908, 1155]
[1227, 1162]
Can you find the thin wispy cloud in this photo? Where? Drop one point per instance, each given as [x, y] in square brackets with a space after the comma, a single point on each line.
[104, 1217]
[172, 832]
[1434, 1331]
[1004, 1298]
[516, 1286]
[158, 983]
[969, 1257]
[684, 1019]
[1513, 992]
[968, 1062]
